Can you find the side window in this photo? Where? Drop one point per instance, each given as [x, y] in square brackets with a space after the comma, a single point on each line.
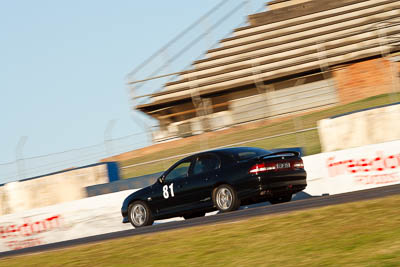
[206, 163]
[179, 171]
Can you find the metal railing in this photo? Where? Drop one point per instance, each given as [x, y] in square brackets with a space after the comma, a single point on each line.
[28, 167]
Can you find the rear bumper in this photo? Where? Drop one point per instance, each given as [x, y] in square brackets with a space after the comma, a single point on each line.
[275, 184]
[281, 179]
[292, 185]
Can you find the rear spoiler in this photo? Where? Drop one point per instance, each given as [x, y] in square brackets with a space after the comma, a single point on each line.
[294, 153]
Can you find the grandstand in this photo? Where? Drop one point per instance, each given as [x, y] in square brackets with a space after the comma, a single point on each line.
[297, 56]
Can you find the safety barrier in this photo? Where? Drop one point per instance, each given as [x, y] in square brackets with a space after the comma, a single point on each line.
[65, 221]
[54, 188]
[120, 185]
[353, 169]
[361, 128]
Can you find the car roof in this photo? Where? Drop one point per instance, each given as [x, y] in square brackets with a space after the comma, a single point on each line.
[235, 149]
[225, 152]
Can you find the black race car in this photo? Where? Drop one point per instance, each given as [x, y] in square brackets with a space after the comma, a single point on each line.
[221, 179]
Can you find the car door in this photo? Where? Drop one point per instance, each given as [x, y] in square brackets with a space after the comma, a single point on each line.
[171, 191]
[202, 178]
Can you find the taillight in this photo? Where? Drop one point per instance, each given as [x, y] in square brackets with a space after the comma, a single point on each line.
[262, 167]
[276, 166]
[298, 164]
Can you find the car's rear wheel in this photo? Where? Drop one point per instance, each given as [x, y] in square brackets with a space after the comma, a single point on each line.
[140, 214]
[194, 215]
[280, 199]
[225, 198]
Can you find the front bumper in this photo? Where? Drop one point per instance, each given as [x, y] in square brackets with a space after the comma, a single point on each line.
[124, 213]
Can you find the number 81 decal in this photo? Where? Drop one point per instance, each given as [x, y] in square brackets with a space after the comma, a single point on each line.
[166, 192]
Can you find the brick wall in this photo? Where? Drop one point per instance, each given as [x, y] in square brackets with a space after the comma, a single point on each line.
[363, 79]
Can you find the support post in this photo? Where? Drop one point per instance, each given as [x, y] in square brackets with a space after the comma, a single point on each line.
[108, 136]
[20, 157]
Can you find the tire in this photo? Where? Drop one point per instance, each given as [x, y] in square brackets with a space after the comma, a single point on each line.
[225, 198]
[139, 214]
[194, 215]
[280, 199]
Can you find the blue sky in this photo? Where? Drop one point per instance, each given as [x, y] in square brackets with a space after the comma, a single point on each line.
[63, 66]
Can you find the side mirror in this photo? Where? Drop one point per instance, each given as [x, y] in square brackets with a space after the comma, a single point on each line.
[161, 180]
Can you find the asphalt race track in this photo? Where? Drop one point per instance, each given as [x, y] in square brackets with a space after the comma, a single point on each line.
[305, 202]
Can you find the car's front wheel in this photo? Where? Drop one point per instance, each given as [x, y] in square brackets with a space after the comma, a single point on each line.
[140, 214]
[225, 198]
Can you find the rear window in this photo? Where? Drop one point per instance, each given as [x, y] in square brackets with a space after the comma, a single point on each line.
[247, 155]
[240, 154]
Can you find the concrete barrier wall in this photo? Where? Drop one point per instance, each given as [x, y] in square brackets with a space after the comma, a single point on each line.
[54, 188]
[65, 221]
[328, 173]
[353, 169]
[362, 128]
[126, 184]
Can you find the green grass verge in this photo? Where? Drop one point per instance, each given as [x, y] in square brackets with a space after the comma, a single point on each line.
[356, 234]
[308, 140]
